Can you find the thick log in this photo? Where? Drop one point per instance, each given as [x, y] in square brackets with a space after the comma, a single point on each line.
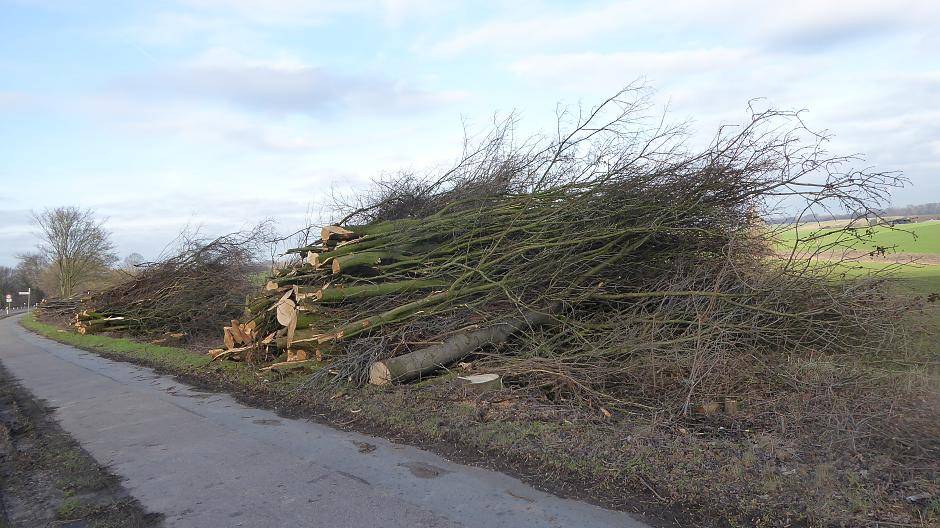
[227, 338]
[337, 233]
[380, 319]
[334, 237]
[412, 365]
[312, 259]
[238, 334]
[286, 312]
[342, 248]
[355, 293]
[352, 261]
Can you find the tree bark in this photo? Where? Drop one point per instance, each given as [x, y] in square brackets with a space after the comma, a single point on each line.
[412, 365]
[352, 261]
[355, 293]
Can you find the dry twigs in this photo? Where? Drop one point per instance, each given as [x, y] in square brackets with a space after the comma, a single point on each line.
[205, 282]
[652, 264]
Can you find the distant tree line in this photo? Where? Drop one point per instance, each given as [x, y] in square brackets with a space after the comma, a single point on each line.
[907, 210]
[15, 280]
[914, 210]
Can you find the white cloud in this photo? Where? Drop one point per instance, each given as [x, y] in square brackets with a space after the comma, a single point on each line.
[514, 33]
[591, 67]
[313, 12]
[277, 12]
[284, 86]
[798, 25]
[180, 28]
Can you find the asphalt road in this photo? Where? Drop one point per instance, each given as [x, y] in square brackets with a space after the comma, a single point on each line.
[205, 460]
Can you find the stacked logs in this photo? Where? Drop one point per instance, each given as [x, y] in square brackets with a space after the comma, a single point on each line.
[91, 322]
[60, 307]
[470, 276]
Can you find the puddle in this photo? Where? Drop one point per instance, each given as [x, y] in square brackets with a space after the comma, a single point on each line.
[422, 470]
[197, 389]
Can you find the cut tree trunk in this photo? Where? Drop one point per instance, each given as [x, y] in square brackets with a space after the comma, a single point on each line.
[286, 312]
[352, 261]
[337, 233]
[227, 338]
[238, 334]
[355, 293]
[412, 365]
[480, 383]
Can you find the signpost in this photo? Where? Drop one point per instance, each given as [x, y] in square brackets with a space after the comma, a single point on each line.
[27, 293]
[9, 300]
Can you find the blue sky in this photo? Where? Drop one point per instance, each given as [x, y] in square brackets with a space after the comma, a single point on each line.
[219, 113]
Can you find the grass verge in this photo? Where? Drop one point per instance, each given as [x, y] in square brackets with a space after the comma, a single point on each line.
[716, 471]
[47, 479]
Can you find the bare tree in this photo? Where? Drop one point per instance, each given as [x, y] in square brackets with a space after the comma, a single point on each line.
[76, 244]
[133, 262]
[34, 272]
[8, 282]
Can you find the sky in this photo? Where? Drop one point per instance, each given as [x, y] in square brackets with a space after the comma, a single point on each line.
[219, 113]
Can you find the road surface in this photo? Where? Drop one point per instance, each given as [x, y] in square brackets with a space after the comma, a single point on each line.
[203, 459]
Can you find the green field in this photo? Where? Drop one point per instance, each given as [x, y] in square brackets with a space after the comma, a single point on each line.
[910, 239]
[918, 278]
[922, 238]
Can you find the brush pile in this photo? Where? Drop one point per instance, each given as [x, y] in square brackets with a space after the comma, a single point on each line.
[61, 307]
[188, 293]
[605, 265]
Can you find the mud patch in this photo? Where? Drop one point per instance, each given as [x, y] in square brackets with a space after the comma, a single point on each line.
[266, 421]
[365, 447]
[203, 390]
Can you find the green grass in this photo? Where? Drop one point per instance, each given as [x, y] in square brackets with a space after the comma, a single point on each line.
[921, 238]
[159, 355]
[178, 360]
[917, 278]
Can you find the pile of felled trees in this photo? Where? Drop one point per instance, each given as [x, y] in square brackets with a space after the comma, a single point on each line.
[183, 295]
[567, 264]
[61, 307]
[606, 264]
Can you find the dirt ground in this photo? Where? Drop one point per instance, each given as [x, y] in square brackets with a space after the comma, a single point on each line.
[47, 479]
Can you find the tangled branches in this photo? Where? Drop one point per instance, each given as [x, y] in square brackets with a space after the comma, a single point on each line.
[633, 244]
[204, 283]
